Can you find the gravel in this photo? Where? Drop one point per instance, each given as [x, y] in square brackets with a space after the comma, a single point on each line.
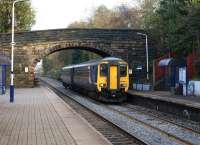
[167, 127]
[133, 127]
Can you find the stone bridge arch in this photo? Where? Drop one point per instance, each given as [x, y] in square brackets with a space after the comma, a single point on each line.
[43, 50]
[33, 46]
[40, 51]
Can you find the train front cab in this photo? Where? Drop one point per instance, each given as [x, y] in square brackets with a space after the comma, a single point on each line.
[113, 80]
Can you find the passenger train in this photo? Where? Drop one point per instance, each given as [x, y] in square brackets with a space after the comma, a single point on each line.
[107, 79]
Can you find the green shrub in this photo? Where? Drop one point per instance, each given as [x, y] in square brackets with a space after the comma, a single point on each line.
[197, 68]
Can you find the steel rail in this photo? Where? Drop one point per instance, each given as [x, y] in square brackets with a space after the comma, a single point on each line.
[163, 119]
[177, 139]
[166, 134]
[102, 117]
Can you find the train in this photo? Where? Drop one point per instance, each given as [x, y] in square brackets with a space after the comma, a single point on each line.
[105, 79]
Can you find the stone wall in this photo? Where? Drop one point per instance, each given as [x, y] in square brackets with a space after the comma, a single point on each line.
[33, 46]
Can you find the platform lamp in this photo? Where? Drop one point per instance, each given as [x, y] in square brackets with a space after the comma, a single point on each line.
[147, 53]
[12, 51]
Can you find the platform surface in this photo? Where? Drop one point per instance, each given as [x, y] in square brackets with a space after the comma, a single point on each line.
[39, 117]
[189, 101]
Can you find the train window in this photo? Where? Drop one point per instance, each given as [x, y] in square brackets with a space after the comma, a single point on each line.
[94, 74]
[123, 70]
[103, 70]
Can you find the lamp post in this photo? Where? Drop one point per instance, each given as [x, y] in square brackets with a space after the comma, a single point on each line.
[12, 52]
[147, 54]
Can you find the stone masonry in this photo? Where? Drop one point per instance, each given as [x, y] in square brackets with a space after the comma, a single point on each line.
[32, 46]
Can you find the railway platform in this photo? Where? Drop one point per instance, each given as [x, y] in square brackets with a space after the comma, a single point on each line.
[190, 101]
[186, 106]
[39, 117]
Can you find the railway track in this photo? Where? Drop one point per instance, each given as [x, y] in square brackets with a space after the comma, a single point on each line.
[184, 123]
[115, 135]
[148, 128]
[179, 133]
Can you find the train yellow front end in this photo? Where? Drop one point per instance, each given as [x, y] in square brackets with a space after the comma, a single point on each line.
[113, 79]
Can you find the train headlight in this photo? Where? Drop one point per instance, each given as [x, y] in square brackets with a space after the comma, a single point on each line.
[102, 85]
[123, 85]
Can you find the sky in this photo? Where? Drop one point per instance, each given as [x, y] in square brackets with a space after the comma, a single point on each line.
[54, 14]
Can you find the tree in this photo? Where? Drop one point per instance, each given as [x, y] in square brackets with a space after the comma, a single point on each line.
[126, 17]
[24, 13]
[193, 24]
[119, 17]
[152, 23]
[173, 24]
[101, 18]
[172, 14]
[78, 24]
[65, 57]
[47, 65]
[197, 66]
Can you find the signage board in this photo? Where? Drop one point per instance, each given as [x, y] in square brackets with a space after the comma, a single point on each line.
[26, 69]
[182, 75]
[130, 71]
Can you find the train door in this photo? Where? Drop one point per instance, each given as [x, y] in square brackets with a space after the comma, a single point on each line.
[113, 77]
[71, 76]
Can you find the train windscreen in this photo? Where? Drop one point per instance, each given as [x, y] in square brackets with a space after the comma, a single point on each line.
[123, 70]
[104, 70]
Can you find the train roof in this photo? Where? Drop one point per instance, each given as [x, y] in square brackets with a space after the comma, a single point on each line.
[92, 62]
[112, 58]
